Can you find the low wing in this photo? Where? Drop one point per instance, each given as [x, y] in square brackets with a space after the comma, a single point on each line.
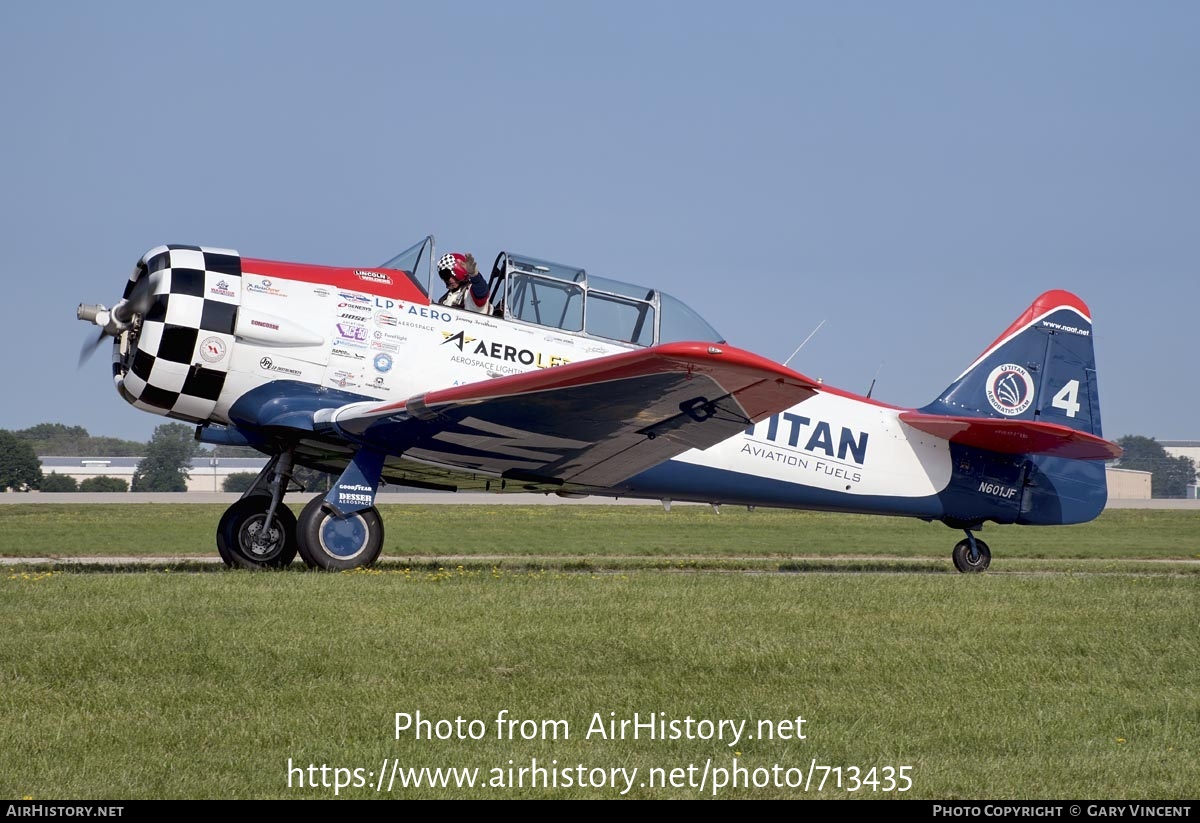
[1014, 436]
[593, 423]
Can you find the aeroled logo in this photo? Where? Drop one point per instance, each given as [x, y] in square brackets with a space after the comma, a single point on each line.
[499, 351]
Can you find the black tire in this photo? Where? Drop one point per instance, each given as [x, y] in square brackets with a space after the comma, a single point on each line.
[335, 542]
[240, 525]
[223, 547]
[962, 557]
[223, 550]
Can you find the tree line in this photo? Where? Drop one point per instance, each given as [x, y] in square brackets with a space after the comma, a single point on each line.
[165, 463]
[166, 458]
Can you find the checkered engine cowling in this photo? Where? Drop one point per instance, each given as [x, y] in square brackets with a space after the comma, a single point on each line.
[175, 363]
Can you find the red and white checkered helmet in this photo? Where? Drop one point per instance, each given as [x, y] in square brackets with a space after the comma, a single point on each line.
[454, 265]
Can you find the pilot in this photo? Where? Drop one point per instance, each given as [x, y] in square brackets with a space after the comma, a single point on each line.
[465, 286]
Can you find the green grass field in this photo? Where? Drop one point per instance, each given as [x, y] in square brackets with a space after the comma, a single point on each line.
[1067, 672]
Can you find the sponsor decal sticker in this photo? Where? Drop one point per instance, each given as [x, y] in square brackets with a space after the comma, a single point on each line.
[386, 318]
[383, 362]
[1009, 389]
[349, 331]
[267, 364]
[500, 351]
[427, 312]
[354, 297]
[264, 286]
[476, 321]
[212, 349]
[373, 276]
[344, 379]
[222, 288]
[460, 339]
[836, 453]
[265, 325]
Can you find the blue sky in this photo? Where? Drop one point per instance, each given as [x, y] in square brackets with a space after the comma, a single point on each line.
[912, 174]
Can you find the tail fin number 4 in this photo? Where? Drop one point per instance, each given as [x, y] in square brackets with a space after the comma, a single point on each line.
[1067, 398]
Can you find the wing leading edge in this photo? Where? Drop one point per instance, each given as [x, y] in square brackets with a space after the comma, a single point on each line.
[594, 423]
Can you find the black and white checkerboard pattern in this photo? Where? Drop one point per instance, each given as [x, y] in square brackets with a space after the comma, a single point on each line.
[183, 350]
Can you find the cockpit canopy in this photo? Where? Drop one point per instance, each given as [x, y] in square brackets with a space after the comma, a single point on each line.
[567, 298]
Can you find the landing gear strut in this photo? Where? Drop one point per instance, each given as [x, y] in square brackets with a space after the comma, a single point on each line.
[971, 556]
[258, 531]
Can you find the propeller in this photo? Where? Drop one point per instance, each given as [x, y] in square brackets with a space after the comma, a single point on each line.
[89, 346]
[117, 319]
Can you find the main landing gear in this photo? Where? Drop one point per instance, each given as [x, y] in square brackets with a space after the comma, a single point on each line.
[259, 532]
[972, 555]
[328, 540]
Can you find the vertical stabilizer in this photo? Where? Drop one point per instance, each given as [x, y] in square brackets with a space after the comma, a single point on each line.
[1042, 368]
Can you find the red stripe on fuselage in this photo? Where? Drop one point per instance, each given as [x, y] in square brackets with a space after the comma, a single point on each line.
[363, 279]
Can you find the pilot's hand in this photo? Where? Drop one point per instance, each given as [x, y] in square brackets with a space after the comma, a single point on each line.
[472, 270]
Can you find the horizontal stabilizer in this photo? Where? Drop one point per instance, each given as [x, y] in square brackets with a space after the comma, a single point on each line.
[1014, 436]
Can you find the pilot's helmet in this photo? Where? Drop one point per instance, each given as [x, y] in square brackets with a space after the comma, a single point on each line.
[455, 267]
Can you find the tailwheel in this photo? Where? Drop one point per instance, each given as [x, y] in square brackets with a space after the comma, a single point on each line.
[328, 540]
[971, 559]
[243, 542]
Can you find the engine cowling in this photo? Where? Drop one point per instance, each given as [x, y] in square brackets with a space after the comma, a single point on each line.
[174, 362]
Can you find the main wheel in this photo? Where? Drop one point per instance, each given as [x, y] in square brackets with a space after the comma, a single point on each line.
[962, 557]
[332, 541]
[242, 543]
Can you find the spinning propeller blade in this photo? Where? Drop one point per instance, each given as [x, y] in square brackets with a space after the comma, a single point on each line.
[89, 348]
[118, 319]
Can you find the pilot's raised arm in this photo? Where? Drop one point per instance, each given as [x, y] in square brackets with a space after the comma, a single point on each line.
[465, 286]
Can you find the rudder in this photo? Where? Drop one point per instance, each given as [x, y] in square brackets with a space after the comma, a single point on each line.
[1042, 368]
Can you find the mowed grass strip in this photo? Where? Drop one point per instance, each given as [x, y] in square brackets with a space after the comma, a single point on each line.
[168, 685]
[53, 530]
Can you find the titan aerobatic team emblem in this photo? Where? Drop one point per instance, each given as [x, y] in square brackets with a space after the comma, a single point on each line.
[1010, 389]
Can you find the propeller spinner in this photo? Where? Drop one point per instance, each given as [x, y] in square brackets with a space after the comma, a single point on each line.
[113, 322]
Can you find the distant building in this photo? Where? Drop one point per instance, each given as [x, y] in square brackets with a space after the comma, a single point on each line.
[207, 474]
[1127, 484]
